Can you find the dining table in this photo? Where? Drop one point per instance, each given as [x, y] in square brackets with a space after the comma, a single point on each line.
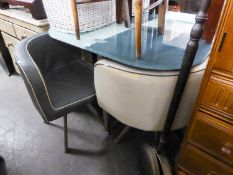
[159, 52]
[179, 48]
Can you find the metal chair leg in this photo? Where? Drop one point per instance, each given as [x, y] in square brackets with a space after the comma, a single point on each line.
[92, 110]
[106, 120]
[65, 134]
[122, 134]
[46, 122]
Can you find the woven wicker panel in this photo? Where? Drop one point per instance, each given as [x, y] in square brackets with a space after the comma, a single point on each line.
[91, 15]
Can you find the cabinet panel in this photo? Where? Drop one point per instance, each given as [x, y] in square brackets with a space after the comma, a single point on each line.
[208, 146]
[217, 138]
[180, 173]
[200, 163]
[219, 96]
[224, 56]
[7, 27]
[22, 32]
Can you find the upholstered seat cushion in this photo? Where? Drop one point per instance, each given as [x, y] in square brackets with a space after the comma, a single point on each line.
[64, 84]
[57, 78]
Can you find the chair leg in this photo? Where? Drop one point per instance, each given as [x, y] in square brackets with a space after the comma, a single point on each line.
[138, 27]
[92, 110]
[122, 134]
[130, 3]
[106, 120]
[65, 134]
[46, 122]
[75, 19]
[126, 13]
[161, 16]
[151, 11]
[118, 12]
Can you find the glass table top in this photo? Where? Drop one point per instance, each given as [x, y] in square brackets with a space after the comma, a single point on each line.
[159, 52]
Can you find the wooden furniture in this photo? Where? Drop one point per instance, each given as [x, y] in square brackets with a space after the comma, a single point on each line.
[17, 24]
[124, 12]
[35, 6]
[174, 6]
[213, 18]
[208, 145]
[138, 20]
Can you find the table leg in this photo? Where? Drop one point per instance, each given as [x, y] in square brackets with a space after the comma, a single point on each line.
[161, 16]
[138, 27]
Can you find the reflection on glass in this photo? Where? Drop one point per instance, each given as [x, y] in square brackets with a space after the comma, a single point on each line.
[159, 52]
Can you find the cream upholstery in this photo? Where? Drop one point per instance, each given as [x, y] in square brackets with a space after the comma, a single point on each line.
[141, 98]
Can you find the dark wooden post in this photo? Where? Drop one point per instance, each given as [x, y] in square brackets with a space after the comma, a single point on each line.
[118, 11]
[188, 59]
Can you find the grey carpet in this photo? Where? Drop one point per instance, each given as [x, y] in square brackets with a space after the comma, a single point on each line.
[31, 147]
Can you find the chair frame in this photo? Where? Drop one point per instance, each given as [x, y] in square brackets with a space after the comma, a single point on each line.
[31, 74]
[139, 10]
[123, 13]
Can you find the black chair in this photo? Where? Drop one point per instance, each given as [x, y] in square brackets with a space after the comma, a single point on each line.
[57, 78]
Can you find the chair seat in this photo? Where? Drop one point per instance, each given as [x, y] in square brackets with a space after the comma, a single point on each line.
[57, 78]
[70, 84]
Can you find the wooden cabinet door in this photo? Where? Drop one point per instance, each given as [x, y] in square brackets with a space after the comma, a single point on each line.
[224, 56]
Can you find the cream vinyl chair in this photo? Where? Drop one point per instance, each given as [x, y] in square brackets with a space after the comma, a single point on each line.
[140, 98]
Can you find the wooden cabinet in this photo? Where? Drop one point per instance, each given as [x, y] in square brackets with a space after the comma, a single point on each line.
[7, 27]
[217, 137]
[207, 148]
[214, 13]
[224, 57]
[218, 96]
[22, 32]
[195, 161]
[17, 24]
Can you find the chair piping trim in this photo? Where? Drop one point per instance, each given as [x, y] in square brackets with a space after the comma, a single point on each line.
[174, 75]
[44, 116]
[38, 70]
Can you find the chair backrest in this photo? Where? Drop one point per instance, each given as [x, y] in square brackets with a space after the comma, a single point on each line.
[37, 58]
[73, 16]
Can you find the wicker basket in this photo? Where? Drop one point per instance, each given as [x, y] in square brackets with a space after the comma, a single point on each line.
[91, 15]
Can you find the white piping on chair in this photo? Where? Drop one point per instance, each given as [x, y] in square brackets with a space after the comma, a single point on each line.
[44, 116]
[38, 70]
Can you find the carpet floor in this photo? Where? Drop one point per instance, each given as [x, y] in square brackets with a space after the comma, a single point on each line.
[31, 147]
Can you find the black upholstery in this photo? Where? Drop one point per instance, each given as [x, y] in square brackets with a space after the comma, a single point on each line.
[57, 78]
